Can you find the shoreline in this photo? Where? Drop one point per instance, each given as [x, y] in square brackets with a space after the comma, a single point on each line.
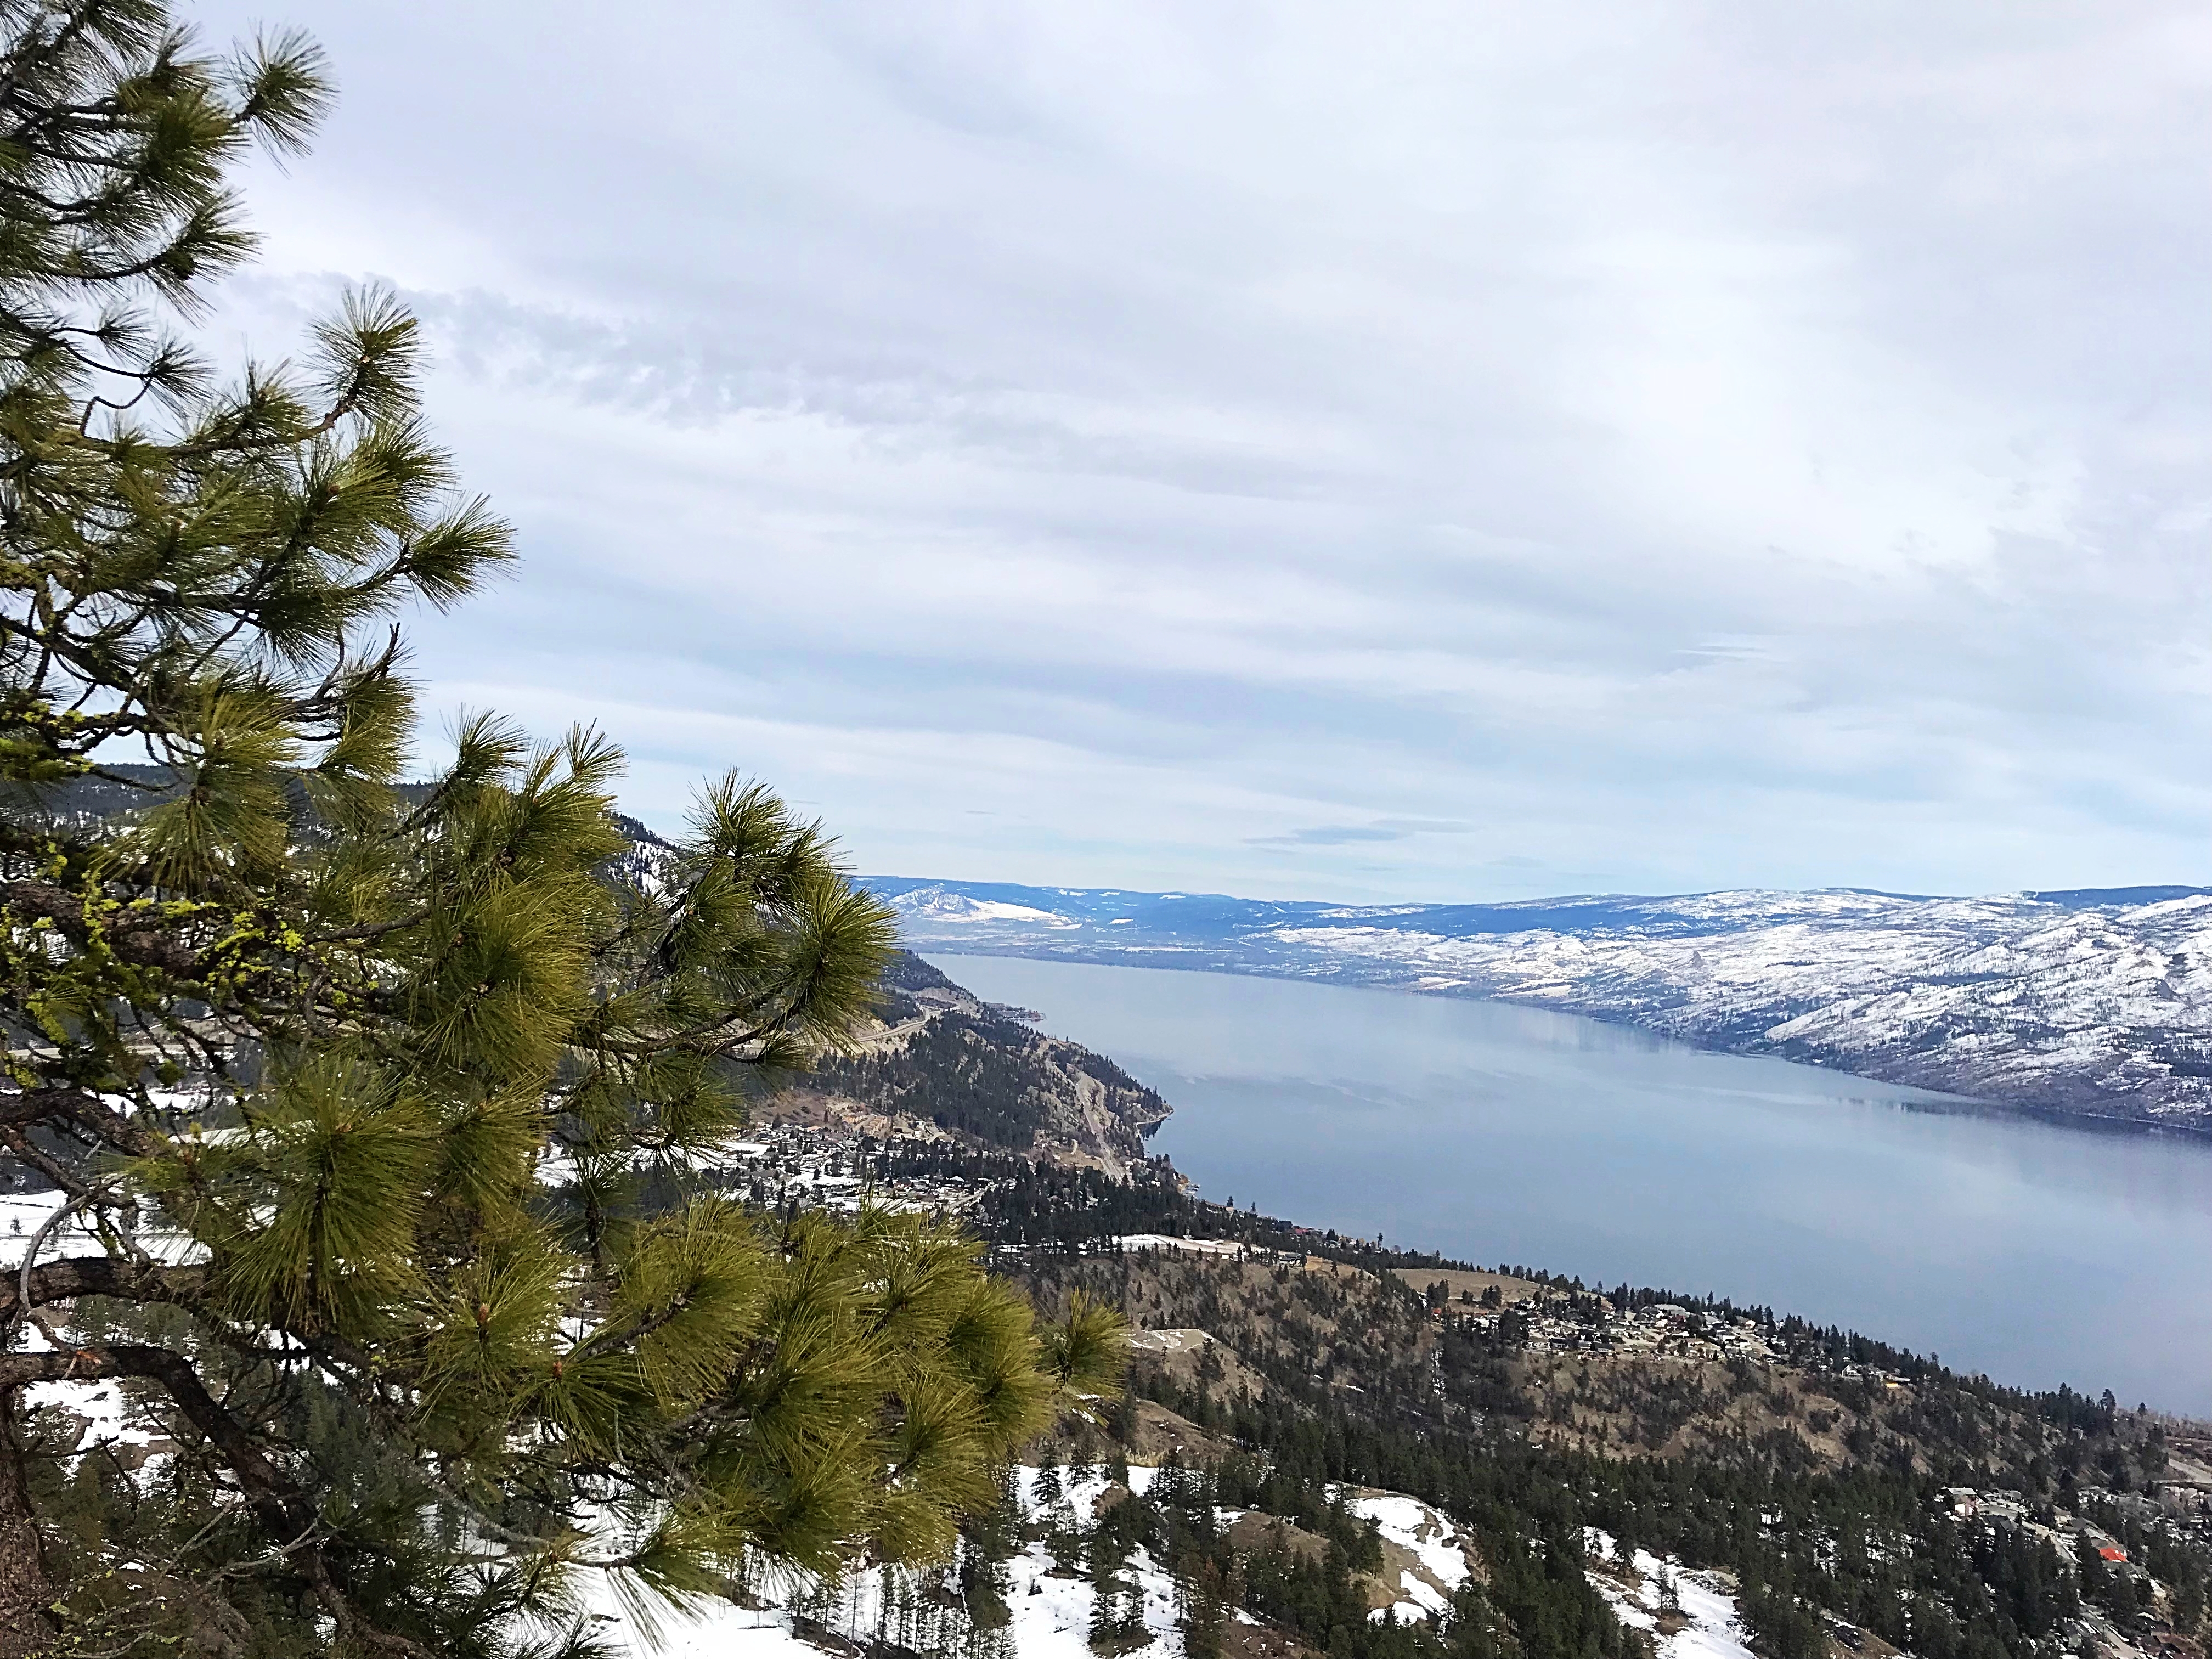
[1940, 1102]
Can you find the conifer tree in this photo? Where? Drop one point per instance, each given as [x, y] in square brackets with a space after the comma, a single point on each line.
[1203, 1610]
[1116, 1612]
[989, 1538]
[382, 1117]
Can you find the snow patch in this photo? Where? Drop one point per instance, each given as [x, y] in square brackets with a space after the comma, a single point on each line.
[1634, 1591]
[1430, 1534]
[936, 904]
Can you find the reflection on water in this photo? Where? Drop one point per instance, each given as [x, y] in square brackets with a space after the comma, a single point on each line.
[2035, 1251]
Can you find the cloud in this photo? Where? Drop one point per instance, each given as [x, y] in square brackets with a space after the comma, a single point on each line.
[1328, 835]
[1345, 835]
[1160, 447]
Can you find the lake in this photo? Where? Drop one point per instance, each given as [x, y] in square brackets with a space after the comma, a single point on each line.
[2035, 1252]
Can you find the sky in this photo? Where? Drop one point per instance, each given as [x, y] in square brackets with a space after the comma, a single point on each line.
[1422, 452]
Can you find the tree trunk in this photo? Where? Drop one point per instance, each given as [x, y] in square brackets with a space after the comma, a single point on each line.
[25, 1593]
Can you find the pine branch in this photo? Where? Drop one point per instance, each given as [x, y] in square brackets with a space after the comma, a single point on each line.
[140, 940]
[100, 1275]
[80, 1109]
[283, 1508]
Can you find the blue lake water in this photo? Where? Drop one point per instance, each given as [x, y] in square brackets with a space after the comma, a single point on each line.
[2035, 1252]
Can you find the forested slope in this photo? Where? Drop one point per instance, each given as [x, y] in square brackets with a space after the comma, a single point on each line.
[945, 1057]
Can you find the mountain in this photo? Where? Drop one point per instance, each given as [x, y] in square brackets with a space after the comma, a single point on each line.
[2085, 1002]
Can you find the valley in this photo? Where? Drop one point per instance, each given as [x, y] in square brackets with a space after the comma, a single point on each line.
[2037, 1250]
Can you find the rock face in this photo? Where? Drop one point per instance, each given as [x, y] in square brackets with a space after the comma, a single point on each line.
[945, 1057]
[2089, 1003]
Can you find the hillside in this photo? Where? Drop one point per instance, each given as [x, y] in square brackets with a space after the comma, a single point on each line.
[940, 1055]
[1719, 1479]
[1837, 1498]
[937, 1055]
[2091, 1003]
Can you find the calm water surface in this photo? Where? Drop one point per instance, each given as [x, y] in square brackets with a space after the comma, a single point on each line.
[2036, 1253]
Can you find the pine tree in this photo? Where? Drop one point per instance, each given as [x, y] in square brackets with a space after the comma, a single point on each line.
[2188, 1609]
[1117, 1604]
[383, 1118]
[990, 1539]
[1204, 1611]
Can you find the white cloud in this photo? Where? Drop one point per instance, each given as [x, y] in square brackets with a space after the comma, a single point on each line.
[1171, 442]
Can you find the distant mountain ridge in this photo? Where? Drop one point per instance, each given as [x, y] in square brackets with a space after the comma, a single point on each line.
[2087, 1002]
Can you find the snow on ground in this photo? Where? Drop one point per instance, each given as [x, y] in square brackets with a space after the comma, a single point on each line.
[1428, 1533]
[1711, 1629]
[1083, 1495]
[22, 1215]
[934, 904]
[2007, 997]
[1196, 1246]
[1430, 1536]
[715, 1630]
[1051, 1619]
[1051, 1613]
[1052, 1616]
[2081, 1002]
[108, 1416]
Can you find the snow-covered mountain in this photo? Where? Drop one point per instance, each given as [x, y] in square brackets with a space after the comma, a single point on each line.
[2093, 1002]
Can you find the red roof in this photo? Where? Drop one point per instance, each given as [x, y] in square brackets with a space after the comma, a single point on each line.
[2111, 1551]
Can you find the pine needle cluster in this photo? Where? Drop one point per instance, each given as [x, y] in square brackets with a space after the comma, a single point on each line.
[385, 1114]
